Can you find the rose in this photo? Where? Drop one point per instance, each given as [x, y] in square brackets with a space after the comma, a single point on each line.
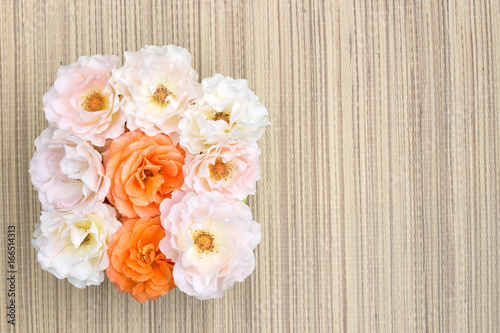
[67, 172]
[73, 244]
[143, 171]
[231, 169]
[227, 111]
[137, 265]
[210, 240]
[84, 102]
[157, 84]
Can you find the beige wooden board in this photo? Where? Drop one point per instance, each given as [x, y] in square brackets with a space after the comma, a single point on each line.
[380, 190]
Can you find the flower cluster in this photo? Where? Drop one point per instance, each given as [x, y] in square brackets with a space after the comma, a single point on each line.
[142, 175]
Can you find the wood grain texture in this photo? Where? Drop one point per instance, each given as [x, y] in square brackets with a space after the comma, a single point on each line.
[379, 199]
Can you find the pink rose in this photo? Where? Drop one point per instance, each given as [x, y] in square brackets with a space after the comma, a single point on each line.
[210, 240]
[84, 102]
[229, 168]
[67, 172]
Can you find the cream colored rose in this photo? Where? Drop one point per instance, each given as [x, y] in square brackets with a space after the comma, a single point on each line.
[210, 240]
[231, 169]
[157, 84]
[84, 102]
[67, 172]
[73, 244]
[227, 111]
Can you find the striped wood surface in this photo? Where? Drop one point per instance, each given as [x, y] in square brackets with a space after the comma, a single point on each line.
[379, 198]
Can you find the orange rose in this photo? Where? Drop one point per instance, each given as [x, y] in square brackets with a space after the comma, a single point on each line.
[136, 264]
[143, 171]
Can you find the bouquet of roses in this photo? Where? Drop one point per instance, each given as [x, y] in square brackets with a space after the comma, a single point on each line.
[142, 175]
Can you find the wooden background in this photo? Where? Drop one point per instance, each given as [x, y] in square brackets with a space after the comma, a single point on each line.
[379, 199]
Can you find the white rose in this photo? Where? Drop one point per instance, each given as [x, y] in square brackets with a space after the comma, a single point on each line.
[157, 84]
[227, 111]
[73, 244]
[67, 172]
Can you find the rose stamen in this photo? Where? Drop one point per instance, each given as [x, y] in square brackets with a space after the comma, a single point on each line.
[86, 241]
[145, 175]
[204, 241]
[148, 253]
[95, 101]
[221, 116]
[161, 94]
[220, 170]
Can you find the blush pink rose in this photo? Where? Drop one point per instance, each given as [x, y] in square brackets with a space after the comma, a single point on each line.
[83, 100]
[231, 169]
[210, 240]
[67, 172]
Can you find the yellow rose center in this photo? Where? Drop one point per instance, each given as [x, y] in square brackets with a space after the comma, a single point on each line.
[95, 101]
[161, 93]
[221, 116]
[204, 241]
[86, 240]
[220, 170]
